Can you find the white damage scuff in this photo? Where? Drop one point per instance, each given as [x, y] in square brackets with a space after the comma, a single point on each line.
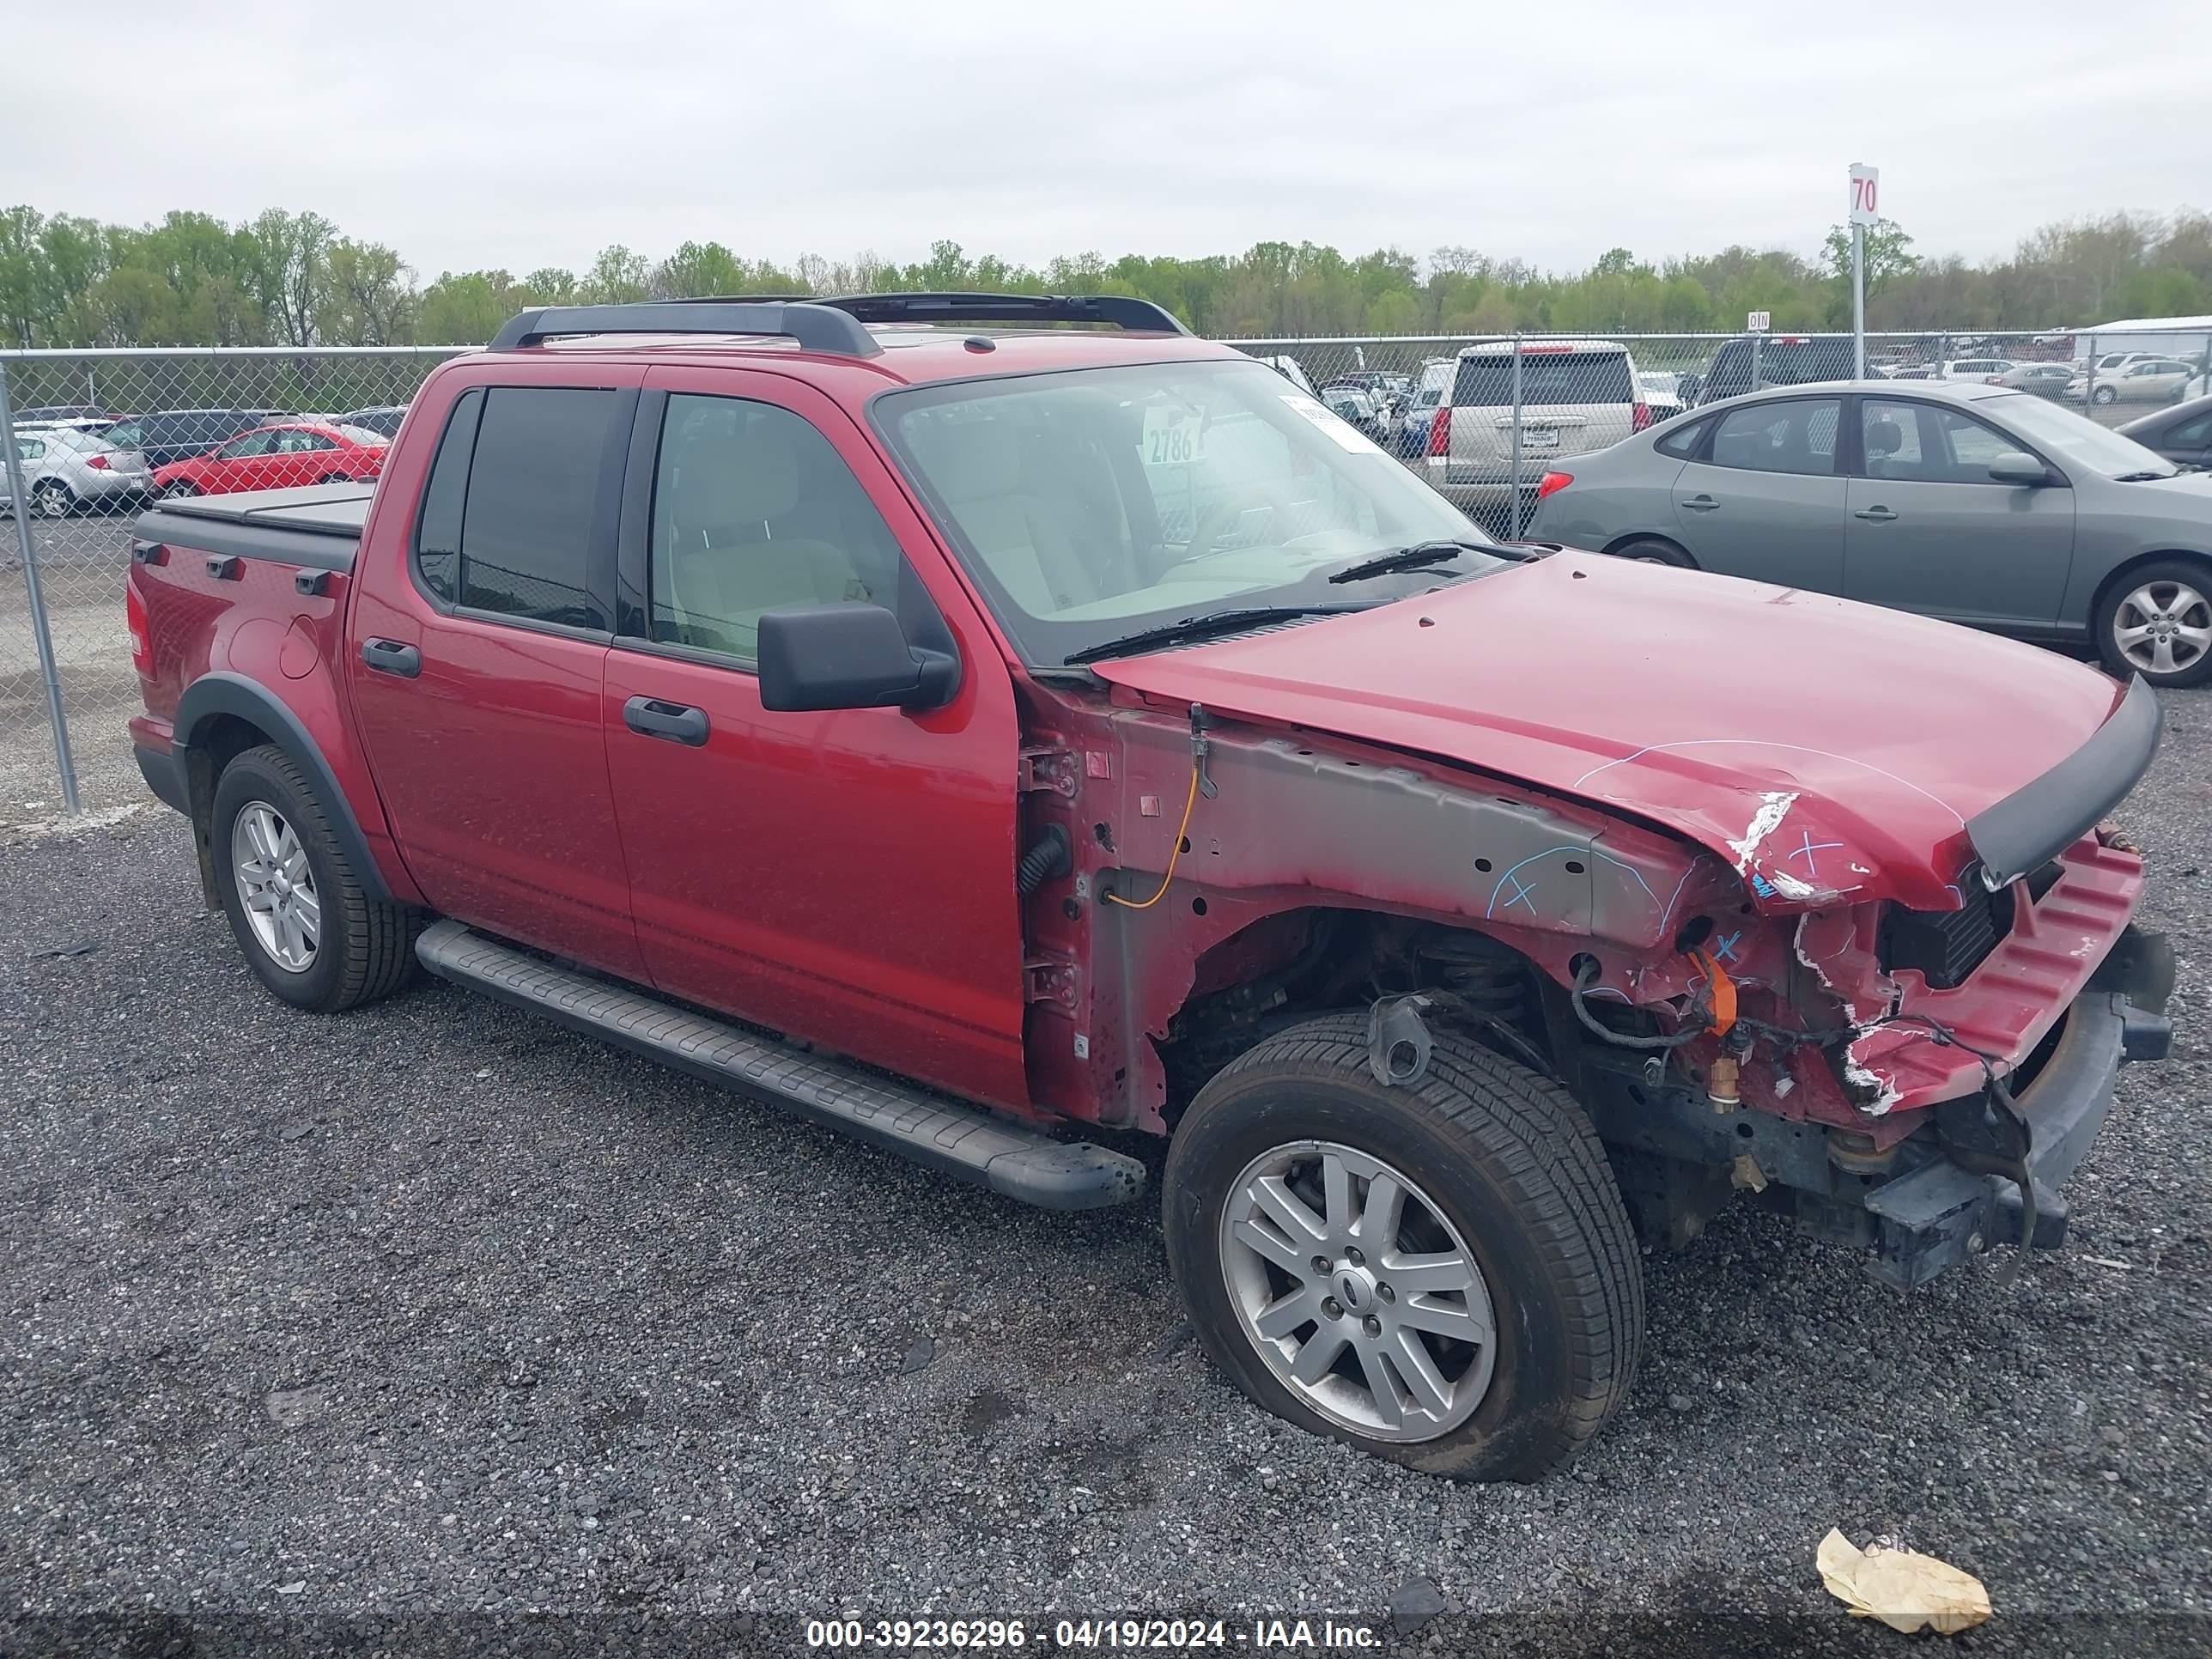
[1855, 1070]
[1773, 807]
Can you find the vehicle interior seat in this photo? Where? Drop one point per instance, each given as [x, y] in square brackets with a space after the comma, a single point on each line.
[977, 464]
[734, 551]
[1883, 440]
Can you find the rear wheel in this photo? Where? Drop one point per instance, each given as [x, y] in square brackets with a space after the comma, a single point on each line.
[1651, 549]
[1440, 1273]
[2157, 621]
[53, 499]
[310, 932]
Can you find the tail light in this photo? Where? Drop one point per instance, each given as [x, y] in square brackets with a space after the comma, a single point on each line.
[97, 462]
[1553, 483]
[1639, 418]
[134, 618]
[1440, 431]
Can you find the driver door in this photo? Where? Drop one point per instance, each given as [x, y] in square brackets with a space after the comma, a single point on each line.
[846, 877]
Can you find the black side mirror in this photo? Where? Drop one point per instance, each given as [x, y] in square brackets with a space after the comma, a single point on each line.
[848, 656]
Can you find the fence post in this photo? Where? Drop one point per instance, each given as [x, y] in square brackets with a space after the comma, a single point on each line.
[1513, 498]
[2090, 391]
[1755, 359]
[20, 499]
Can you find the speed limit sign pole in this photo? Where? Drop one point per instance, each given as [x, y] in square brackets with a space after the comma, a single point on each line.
[1866, 189]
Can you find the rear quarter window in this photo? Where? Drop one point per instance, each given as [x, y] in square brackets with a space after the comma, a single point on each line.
[533, 485]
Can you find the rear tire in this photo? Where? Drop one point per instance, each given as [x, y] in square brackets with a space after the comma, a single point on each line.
[1651, 549]
[285, 884]
[1498, 1167]
[53, 499]
[2159, 611]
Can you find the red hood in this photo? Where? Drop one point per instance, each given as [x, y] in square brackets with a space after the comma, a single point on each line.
[1824, 748]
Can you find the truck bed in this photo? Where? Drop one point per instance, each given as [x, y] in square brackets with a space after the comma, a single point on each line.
[318, 525]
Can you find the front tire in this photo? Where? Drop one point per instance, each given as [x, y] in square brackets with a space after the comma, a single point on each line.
[1442, 1274]
[308, 929]
[2103, 394]
[178, 489]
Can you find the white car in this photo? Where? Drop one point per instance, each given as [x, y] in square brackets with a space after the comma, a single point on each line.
[65, 469]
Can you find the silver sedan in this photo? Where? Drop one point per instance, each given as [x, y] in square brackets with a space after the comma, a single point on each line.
[65, 469]
[1978, 504]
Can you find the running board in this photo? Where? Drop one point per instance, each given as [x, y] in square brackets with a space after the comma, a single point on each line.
[944, 1135]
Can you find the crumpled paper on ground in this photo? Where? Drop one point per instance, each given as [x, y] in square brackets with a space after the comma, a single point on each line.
[1902, 1588]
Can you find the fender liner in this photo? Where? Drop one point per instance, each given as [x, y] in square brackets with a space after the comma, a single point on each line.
[222, 693]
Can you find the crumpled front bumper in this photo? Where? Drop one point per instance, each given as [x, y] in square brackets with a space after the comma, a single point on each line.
[1936, 1216]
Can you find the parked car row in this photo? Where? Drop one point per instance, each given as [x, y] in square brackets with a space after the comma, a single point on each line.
[79, 458]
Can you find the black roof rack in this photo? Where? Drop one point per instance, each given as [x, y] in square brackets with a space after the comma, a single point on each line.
[1138, 316]
[816, 327]
[835, 325]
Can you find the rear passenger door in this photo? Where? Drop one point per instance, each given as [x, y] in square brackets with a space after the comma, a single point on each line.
[1765, 496]
[846, 877]
[480, 638]
[1930, 531]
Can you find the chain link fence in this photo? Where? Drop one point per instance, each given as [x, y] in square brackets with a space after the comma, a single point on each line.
[93, 434]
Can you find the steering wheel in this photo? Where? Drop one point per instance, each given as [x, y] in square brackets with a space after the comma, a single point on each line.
[1219, 516]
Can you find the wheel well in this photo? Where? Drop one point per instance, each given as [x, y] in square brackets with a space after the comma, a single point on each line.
[2141, 561]
[212, 745]
[1291, 966]
[1619, 542]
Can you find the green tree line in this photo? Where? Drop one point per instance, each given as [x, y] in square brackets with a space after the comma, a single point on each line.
[285, 278]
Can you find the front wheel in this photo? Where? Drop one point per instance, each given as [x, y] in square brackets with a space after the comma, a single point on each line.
[2157, 621]
[2103, 394]
[1440, 1273]
[310, 932]
[177, 489]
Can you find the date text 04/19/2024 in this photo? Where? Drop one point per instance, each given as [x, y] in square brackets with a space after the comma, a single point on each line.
[1008, 1635]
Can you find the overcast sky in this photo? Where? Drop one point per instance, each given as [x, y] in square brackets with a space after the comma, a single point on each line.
[470, 134]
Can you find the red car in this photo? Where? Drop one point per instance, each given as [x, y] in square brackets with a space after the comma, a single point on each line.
[998, 744]
[277, 458]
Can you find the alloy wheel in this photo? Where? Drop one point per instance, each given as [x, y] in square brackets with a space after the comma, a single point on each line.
[275, 887]
[2163, 627]
[1357, 1292]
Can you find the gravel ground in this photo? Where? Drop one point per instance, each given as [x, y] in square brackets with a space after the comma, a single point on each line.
[426, 1318]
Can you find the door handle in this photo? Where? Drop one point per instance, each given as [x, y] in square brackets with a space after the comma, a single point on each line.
[1701, 504]
[678, 722]
[391, 657]
[1877, 515]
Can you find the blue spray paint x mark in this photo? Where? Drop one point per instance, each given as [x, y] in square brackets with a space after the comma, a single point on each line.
[1520, 894]
[1807, 851]
[1723, 948]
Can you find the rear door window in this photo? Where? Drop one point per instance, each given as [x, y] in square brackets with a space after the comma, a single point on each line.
[1548, 379]
[1798, 435]
[534, 482]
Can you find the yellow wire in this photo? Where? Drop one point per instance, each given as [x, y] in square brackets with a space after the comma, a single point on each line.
[1174, 855]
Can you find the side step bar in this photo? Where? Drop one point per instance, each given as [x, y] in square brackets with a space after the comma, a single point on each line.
[945, 1135]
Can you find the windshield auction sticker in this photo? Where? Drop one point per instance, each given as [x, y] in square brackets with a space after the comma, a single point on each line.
[1343, 435]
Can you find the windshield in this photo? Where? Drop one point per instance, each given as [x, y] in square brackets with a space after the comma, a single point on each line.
[2077, 439]
[1095, 503]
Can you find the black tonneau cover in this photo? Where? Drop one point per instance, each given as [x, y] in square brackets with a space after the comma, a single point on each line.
[318, 526]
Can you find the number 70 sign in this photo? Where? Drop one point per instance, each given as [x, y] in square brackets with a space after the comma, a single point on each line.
[1866, 183]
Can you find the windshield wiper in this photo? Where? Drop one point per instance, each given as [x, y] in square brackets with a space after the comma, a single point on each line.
[2140, 477]
[1421, 555]
[1199, 628]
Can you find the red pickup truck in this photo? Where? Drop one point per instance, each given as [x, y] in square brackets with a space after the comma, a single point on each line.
[960, 719]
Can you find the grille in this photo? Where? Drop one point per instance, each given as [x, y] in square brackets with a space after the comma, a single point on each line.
[1946, 946]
